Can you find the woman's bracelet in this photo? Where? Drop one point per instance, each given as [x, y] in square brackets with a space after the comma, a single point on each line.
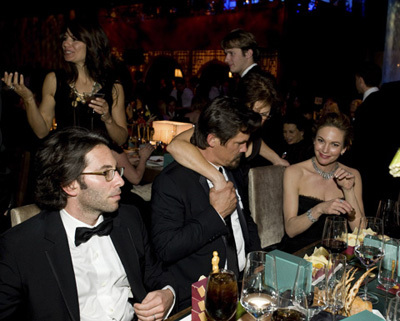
[310, 217]
[109, 120]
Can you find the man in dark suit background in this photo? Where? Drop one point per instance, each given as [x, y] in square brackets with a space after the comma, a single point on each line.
[242, 53]
[190, 219]
[53, 268]
[376, 138]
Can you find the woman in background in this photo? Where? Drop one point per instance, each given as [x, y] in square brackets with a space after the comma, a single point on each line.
[260, 95]
[88, 69]
[298, 143]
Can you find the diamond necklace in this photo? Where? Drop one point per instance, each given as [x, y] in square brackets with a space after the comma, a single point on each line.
[325, 175]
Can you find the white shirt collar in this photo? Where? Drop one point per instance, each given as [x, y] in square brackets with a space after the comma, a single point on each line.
[71, 223]
[247, 69]
[369, 91]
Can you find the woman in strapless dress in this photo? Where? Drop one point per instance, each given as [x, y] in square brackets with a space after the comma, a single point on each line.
[321, 186]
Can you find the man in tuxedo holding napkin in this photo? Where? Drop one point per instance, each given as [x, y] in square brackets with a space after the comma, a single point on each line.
[190, 219]
[83, 257]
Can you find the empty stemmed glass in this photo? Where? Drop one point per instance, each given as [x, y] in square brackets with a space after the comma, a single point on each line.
[221, 295]
[388, 266]
[335, 282]
[389, 212]
[288, 309]
[309, 290]
[334, 235]
[393, 310]
[369, 249]
[259, 288]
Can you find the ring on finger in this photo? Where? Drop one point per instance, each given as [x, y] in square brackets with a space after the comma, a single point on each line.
[11, 87]
[154, 317]
[340, 200]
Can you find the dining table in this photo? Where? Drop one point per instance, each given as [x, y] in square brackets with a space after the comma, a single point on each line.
[185, 315]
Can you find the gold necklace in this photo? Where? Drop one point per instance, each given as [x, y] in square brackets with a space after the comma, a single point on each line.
[81, 97]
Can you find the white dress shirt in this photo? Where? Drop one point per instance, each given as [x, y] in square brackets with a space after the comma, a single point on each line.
[369, 92]
[247, 69]
[236, 227]
[103, 287]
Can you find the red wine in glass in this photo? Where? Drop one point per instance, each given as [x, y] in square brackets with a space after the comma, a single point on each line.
[334, 245]
[334, 235]
[221, 295]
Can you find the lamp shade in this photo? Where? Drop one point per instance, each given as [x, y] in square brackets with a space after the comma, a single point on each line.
[165, 130]
[178, 73]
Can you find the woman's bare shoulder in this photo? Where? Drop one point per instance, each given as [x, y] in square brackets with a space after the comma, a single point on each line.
[298, 169]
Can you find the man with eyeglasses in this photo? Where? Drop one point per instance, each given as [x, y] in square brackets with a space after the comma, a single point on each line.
[84, 257]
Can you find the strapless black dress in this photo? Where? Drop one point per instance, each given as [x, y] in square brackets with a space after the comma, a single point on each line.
[312, 234]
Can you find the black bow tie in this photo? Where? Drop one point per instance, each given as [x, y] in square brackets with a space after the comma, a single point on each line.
[83, 234]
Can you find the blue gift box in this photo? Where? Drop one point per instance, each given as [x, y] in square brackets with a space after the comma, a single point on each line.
[286, 269]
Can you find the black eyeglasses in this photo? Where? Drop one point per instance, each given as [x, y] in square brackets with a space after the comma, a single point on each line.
[266, 115]
[109, 173]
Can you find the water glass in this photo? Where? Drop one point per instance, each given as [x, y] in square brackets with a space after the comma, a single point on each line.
[259, 288]
[388, 266]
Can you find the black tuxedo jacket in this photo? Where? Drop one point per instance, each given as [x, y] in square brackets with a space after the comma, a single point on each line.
[376, 140]
[37, 280]
[186, 229]
[254, 70]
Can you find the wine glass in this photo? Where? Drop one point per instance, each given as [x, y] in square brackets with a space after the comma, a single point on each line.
[334, 235]
[388, 266]
[369, 249]
[309, 290]
[393, 310]
[287, 309]
[388, 211]
[335, 282]
[89, 96]
[221, 295]
[259, 288]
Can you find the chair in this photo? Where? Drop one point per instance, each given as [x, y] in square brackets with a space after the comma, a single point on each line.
[22, 213]
[266, 202]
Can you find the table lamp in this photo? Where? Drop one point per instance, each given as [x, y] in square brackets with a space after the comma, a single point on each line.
[165, 130]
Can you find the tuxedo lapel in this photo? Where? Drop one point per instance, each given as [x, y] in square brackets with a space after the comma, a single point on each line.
[59, 257]
[123, 243]
[239, 209]
[203, 182]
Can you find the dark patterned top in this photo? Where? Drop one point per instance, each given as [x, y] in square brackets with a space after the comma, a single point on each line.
[69, 116]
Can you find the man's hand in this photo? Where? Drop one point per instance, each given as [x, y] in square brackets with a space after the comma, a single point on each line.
[224, 200]
[154, 306]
